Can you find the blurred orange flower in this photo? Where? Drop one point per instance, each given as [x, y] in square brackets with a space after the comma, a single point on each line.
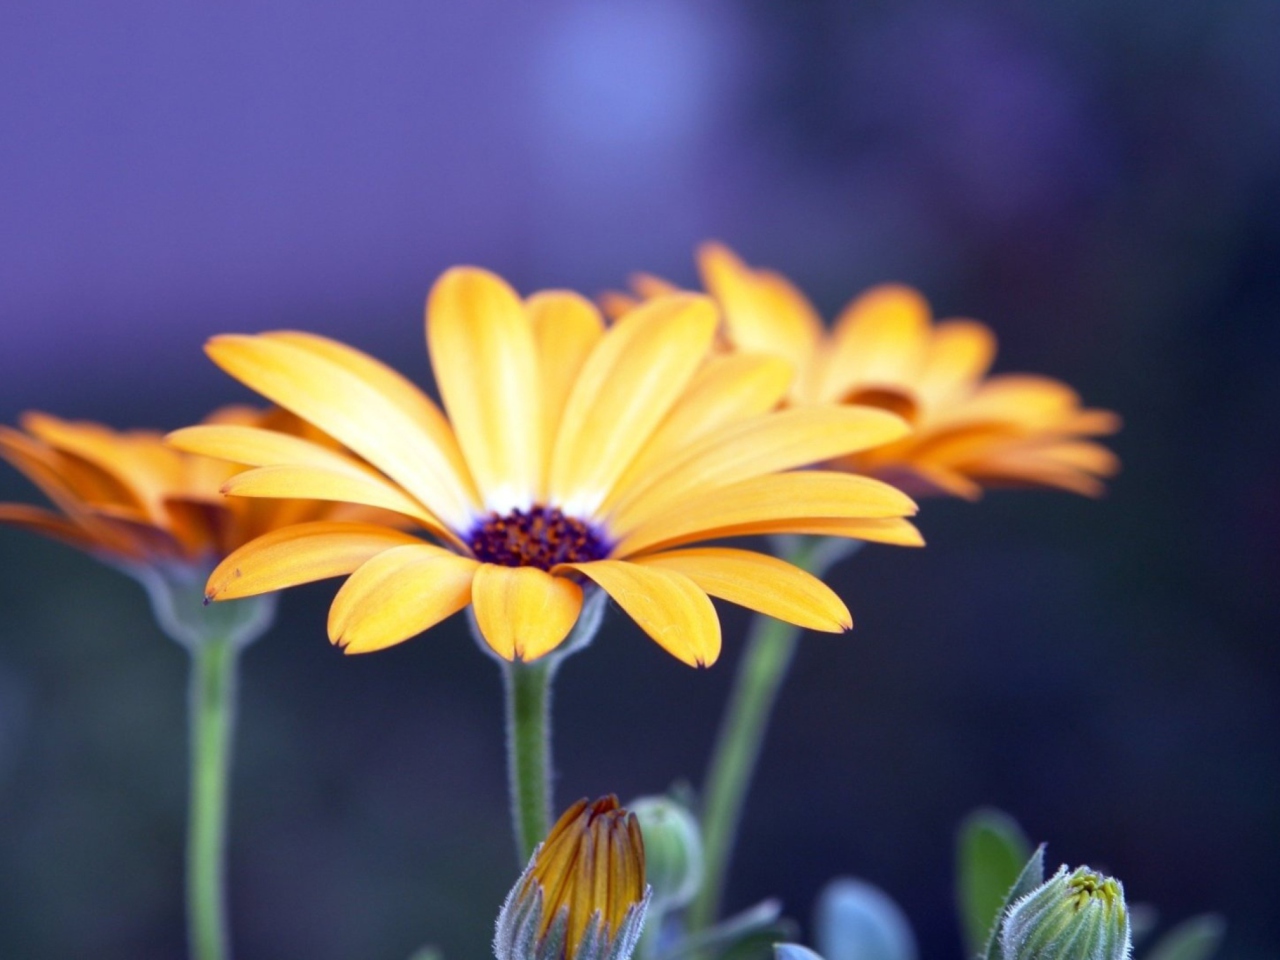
[969, 430]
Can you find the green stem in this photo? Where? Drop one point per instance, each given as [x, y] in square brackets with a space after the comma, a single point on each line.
[771, 646]
[528, 687]
[213, 695]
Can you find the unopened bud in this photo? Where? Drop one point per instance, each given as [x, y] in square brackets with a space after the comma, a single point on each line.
[672, 851]
[1072, 916]
[583, 895]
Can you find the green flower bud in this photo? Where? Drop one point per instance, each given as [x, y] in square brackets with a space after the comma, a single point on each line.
[1072, 916]
[673, 851]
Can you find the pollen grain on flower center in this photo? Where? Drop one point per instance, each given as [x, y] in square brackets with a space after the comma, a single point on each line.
[538, 537]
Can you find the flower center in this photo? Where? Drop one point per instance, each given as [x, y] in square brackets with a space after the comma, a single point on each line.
[538, 537]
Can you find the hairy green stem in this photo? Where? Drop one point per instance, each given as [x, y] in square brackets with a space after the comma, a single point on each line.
[770, 648]
[528, 688]
[213, 695]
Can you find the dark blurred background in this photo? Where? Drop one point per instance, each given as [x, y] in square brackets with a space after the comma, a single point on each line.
[1100, 181]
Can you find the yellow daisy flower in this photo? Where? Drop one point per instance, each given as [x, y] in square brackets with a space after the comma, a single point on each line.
[968, 430]
[130, 498]
[570, 453]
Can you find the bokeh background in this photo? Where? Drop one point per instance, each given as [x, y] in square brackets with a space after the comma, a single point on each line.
[1098, 179]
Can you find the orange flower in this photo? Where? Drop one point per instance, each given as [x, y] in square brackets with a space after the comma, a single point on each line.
[583, 894]
[570, 454]
[968, 430]
[130, 498]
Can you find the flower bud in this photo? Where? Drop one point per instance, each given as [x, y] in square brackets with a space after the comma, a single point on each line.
[672, 850]
[583, 895]
[1072, 916]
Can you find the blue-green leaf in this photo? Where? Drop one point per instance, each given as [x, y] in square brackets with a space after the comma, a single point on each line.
[990, 853]
[1032, 876]
[857, 921]
[1194, 939]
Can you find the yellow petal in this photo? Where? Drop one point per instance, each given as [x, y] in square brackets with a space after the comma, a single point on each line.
[879, 340]
[763, 312]
[317, 483]
[776, 497]
[727, 389]
[566, 327]
[486, 365]
[630, 381]
[397, 595]
[770, 443]
[667, 605]
[523, 612]
[297, 554]
[761, 583]
[354, 410]
[958, 356]
[390, 383]
[255, 447]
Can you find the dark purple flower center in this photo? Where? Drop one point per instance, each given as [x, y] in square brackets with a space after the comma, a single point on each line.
[538, 537]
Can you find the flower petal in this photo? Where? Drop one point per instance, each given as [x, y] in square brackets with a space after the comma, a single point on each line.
[397, 595]
[486, 365]
[354, 410]
[764, 312]
[524, 612]
[297, 554]
[46, 523]
[777, 497]
[632, 378]
[316, 483]
[727, 389]
[958, 356]
[255, 447]
[770, 443]
[879, 339]
[759, 582]
[667, 605]
[390, 383]
[566, 327]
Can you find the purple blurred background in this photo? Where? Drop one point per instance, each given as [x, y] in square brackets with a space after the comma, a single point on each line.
[1100, 181]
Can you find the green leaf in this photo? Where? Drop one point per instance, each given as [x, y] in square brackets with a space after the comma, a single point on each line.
[1194, 939]
[1032, 876]
[990, 853]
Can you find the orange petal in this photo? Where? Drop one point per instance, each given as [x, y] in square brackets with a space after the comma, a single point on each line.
[632, 378]
[366, 415]
[301, 553]
[879, 340]
[958, 356]
[397, 595]
[46, 523]
[759, 582]
[774, 498]
[667, 605]
[523, 612]
[486, 365]
[763, 312]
